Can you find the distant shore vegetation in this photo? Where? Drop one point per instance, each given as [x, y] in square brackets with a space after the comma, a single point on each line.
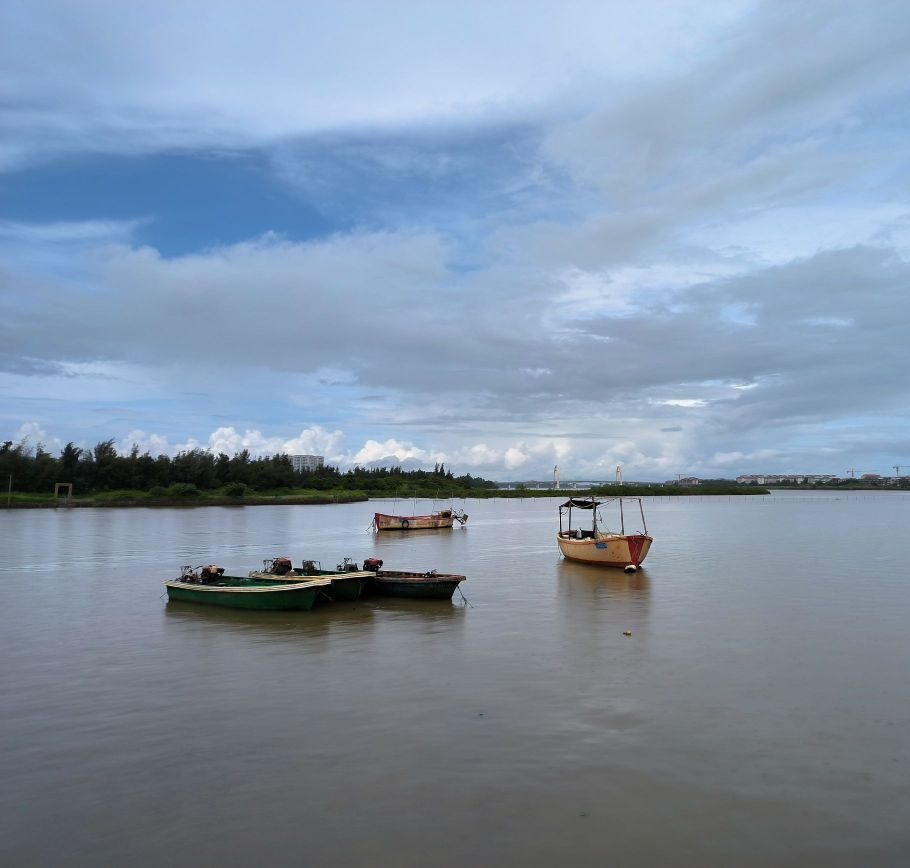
[102, 477]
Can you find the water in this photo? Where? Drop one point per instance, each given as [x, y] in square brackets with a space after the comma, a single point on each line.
[757, 715]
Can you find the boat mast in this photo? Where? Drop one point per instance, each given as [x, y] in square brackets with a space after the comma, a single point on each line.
[622, 520]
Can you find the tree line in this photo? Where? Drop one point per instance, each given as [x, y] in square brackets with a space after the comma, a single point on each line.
[197, 471]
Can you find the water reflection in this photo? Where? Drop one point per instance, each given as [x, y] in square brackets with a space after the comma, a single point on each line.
[443, 536]
[563, 710]
[431, 611]
[594, 583]
[344, 621]
[316, 626]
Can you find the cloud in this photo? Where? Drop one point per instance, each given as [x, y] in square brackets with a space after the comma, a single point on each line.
[32, 436]
[686, 251]
[127, 78]
[270, 314]
[67, 231]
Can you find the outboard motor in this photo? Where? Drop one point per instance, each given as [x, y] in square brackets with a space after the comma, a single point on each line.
[372, 564]
[280, 566]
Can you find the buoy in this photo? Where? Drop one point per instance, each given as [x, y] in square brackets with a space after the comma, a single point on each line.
[629, 568]
[627, 632]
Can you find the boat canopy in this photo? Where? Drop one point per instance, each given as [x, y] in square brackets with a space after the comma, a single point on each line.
[579, 503]
[590, 504]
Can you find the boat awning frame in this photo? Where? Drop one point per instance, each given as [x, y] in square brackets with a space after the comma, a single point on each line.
[579, 503]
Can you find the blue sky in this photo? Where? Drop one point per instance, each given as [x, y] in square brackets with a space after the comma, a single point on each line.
[666, 236]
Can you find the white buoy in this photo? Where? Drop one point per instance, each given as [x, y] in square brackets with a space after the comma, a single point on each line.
[630, 568]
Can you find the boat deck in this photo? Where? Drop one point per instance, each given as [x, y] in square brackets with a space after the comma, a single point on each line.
[251, 585]
[296, 577]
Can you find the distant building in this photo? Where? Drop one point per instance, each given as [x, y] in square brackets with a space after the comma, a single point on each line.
[797, 478]
[307, 463]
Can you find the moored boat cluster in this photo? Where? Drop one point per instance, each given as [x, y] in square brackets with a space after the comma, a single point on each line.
[280, 585]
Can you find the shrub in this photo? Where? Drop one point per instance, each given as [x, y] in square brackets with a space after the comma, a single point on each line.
[237, 489]
[119, 494]
[183, 490]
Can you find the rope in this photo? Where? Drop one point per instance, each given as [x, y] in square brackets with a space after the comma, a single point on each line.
[463, 597]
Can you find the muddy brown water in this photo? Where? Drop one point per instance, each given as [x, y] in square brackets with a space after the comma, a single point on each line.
[758, 714]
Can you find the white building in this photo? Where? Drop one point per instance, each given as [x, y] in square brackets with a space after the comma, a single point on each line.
[799, 478]
[307, 462]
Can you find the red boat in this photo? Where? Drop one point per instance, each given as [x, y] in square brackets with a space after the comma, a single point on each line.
[443, 518]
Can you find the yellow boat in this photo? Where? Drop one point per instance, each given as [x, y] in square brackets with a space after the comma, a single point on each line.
[599, 545]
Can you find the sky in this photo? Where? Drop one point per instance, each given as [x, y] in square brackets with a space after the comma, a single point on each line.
[670, 236]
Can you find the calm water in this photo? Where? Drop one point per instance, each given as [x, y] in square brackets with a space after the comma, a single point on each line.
[759, 714]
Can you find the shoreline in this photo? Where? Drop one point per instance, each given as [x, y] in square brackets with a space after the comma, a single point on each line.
[169, 503]
[360, 497]
[329, 499]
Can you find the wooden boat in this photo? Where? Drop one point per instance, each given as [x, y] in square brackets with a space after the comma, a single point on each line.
[209, 585]
[429, 585]
[606, 548]
[443, 518]
[346, 582]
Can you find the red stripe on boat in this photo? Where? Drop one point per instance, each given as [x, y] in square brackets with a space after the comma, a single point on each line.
[636, 543]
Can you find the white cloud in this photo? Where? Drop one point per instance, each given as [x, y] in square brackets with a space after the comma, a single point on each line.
[740, 459]
[683, 402]
[373, 451]
[645, 264]
[32, 435]
[514, 458]
[77, 231]
[153, 444]
[127, 77]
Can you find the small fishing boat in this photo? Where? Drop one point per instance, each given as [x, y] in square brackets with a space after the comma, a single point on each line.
[443, 518]
[346, 581]
[429, 585]
[599, 545]
[209, 585]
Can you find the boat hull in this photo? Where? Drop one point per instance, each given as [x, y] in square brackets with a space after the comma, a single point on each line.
[412, 522]
[343, 587]
[606, 550]
[248, 594]
[346, 590]
[402, 583]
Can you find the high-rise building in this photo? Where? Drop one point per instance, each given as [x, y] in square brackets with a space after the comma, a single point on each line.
[307, 462]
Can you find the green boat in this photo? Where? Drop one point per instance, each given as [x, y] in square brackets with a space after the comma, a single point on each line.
[216, 589]
[346, 581]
